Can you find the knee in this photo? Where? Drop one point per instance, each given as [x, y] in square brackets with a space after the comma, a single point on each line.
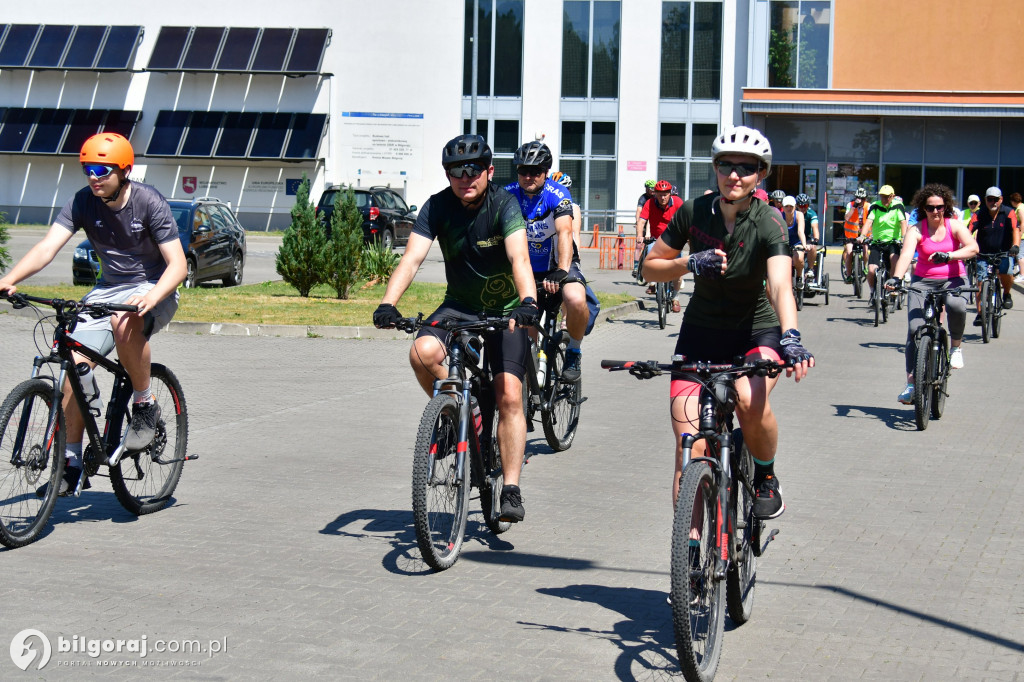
[426, 352]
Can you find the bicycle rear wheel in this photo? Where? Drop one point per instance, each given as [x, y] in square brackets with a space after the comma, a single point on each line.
[28, 462]
[660, 295]
[494, 481]
[997, 309]
[144, 481]
[698, 616]
[563, 414]
[924, 381]
[440, 495]
[742, 575]
[985, 296]
[941, 378]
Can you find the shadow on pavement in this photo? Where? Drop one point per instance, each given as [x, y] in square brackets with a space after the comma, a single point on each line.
[859, 321]
[93, 506]
[896, 418]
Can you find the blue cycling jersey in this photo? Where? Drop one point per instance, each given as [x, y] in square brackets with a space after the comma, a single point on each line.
[540, 211]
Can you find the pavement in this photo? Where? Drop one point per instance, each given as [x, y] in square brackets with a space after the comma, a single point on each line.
[289, 549]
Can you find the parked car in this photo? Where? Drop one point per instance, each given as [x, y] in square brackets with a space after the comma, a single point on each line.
[386, 216]
[212, 238]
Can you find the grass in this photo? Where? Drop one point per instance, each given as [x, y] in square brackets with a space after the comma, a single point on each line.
[279, 303]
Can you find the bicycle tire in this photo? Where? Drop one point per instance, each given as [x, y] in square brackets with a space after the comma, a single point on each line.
[886, 302]
[144, 481]
[640, 266]
[824, 284]
[798, 293]
[876, 302]
[941, 378]
[986, 312]
[440, 497]
[924, 381]
[741, 578]
[698, 616]
[660, 295]
[997, 309]
[562, 417]
[858, 276]
[24, 515]
[493, 482]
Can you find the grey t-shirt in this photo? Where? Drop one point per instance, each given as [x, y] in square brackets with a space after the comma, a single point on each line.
[127, 241]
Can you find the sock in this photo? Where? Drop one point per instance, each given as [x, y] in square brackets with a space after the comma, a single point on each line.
[73, 452]
[763, 469]
[574, 344]
[143, 396]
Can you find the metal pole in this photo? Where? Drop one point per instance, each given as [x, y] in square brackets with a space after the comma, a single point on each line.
[476, 59]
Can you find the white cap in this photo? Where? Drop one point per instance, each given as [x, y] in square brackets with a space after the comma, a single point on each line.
[993, 192]
[975, 198]
[789, 201]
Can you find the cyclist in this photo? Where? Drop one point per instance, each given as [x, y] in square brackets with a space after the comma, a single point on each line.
[547, 208]
[886, 222]
[803, 204]
[942, 243]
[737, 243]
[775, 199]
[593, 305]
[997, 231]
[136, 237]
[797, 231]
[648, 194]
[853, 221]
[487, 266]
[973, 202]
[656, 214]
[1017, 203]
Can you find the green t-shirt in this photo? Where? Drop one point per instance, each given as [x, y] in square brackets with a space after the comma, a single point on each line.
[476, 264]
[738, 299]
[885, 225]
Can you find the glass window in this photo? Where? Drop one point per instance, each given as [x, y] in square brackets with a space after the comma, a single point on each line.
[237, 49]
[674, 172]
[1011, 179]
[601, 190]
[272, 49]
[508, 48]
[167, 132]
[84, 47]
[602, 139]
[856, 140]
[201, 217]
[219, 223]
[235, 134]
[84, 124]
[673, 140]
[960, 141]
[702, 177]
[50, 47]
[483, 57]
[942, 175]
[707, 50]
[308, 51]
[202, 49]
[307, 130]
[506, 137]
[119, 47]
[400, 203]
[977, 180]
[202, 132]
[796, 139]
[575, 47]
[49, 131]
[384, 200]
[576, 169]
[902, 140]
[169, 46]
[1011, 140]
[606, 50]
[17, 126]
[122, 122]
[704, 135]
[798, 53]
[905, 180]
[573, 134]
[481, 127]
[675, 50]
[17, 44]
[504, 171]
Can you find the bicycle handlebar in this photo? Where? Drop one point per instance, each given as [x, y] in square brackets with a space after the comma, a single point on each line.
[702, 370]
[19, 300]
[484, 324]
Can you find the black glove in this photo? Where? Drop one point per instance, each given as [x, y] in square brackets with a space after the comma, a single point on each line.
[706, 264]
[386, 316]
[643, 370]
[792, 351]
[893, 283]
[940, 257]
[527, 314]
[556, 276]
[1014, 250]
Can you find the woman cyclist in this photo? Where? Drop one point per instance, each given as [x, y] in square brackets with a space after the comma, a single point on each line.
[942, 243]
[737, 243]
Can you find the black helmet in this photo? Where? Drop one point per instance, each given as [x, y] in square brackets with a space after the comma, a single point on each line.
[465, 149]
[803, 200]
[534, 153]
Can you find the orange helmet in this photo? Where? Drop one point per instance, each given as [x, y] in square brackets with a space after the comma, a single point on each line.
[109, 149]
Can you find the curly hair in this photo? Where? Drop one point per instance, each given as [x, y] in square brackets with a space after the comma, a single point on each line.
[933, 189]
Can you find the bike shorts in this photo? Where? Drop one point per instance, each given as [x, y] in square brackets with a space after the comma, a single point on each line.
[720, 346]
[1005, 266]
[97, 333]
[875, 256]
[505, 350]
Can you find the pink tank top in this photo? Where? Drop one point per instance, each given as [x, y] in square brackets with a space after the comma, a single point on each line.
[926, 247]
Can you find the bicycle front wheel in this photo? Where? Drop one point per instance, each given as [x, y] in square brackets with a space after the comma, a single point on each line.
[563, 414]
[924, 381]
[661, 295]
[858, 277]
[997, 309]
[941, 378]
[698, 616]
[739, 581]
[494, 481]
[985, 296]
[144, 481]
[440, 492]
[29, 463]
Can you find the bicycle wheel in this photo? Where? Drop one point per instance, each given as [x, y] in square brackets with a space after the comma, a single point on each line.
[28, 462]
[440, 495]
[876, 302]
[824, 284]
[563, 414]
[640, 267]
[887, 302]
[144, 481]
[986, 310]
[660, 295]
[924, 381]
[698, 616]
[742, 575]
[494, 480]
[997, 309]
[941, 378]
[858, 276]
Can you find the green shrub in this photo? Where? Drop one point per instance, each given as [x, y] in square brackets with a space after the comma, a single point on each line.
[5, 255]
[301, 260]
[345, 247]
[379, 262]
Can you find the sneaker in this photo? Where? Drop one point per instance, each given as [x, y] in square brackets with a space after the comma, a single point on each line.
[650, 289]
[511, 505]
[1019, 279]
[67, 484]
[977, 320]
[145, 417]
[675, 305]
[907, 397]
[573, 365]
[956, 358]
[1007, 302]
[768, 503]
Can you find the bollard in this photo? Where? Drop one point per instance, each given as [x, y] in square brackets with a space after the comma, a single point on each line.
[621, 241]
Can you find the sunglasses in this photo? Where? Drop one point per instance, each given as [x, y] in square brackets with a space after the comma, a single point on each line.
[470, 169]
[932, 208]
[530, 171]
[743, 170]
[97, 170]
[992, 200]
[972, 203]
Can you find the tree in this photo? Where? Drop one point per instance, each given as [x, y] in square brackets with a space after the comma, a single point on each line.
[345, 248]
[301, 258]
[5, 255]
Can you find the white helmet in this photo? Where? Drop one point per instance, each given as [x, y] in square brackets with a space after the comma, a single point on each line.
[743, 140]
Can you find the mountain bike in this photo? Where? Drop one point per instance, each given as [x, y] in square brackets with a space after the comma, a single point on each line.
[638, 273]
[663, 293]
[815, 278]
[32, 430]
[715, 537]
[884, 302]
[857, 277]
[990, 294]
[456, 445]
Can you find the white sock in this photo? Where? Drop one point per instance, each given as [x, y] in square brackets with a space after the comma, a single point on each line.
[143, 396]
[73, 452]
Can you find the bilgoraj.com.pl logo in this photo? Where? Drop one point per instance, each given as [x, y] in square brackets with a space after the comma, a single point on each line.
[27, 645]
[31, 646]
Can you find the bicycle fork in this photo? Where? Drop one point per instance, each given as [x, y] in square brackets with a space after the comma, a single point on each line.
[724, 523]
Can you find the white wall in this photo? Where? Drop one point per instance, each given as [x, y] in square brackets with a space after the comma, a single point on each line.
[639, 90]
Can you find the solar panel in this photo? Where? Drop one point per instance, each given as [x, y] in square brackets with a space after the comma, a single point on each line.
[84, 46]
[50, 47]
[119, 49]
[307, 131]
[17, 44]
[235, 134]
[202, 133]
[49, 132]
[169, 46]
[272, 50]
[84, 124]
[308, 50]
[270, 133]
[237, 51]
[122, 122]
[203, 49]
[167, 132]
[17, 127]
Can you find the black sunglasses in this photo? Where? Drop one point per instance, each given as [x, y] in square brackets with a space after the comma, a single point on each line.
[470, 169]
[530, 171]
[97, 170]
[743, 170]
[992, 200]
[931, 208]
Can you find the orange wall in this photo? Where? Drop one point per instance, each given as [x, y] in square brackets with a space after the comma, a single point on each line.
[928, 45]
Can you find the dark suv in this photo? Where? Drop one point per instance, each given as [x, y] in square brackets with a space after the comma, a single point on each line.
[386, 216]
[213, 240]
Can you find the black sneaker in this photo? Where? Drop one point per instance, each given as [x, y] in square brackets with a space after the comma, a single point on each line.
[145, 417]
[1007, 302]
[977, 320]
[67, 484]
[511, 504]
[573, 362]
[768, 504]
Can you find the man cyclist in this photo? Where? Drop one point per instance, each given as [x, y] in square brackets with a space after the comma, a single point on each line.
[803, 204]
[487, 266]
[655, 214]
[547, 208]
[737, 244]
[775, 200]
[886, 224]
[593, 305]
[648, 194]
[131, 227]
[996, 229]
[853, 221]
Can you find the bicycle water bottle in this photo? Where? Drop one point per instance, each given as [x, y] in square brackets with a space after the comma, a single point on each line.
[92, 389]
[542, 366]
[478, 419]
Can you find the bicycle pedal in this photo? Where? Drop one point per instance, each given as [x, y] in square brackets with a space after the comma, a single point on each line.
[189, 458]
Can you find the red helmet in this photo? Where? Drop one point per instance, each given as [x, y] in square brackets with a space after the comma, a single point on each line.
[663, 186]
[109, 149]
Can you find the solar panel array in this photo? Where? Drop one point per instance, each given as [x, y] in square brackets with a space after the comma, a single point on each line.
[244, 50]
[50, 46]
[59, 131]
[237, 135]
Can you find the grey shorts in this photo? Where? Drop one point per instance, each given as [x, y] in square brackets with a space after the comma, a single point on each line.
[97, 334]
